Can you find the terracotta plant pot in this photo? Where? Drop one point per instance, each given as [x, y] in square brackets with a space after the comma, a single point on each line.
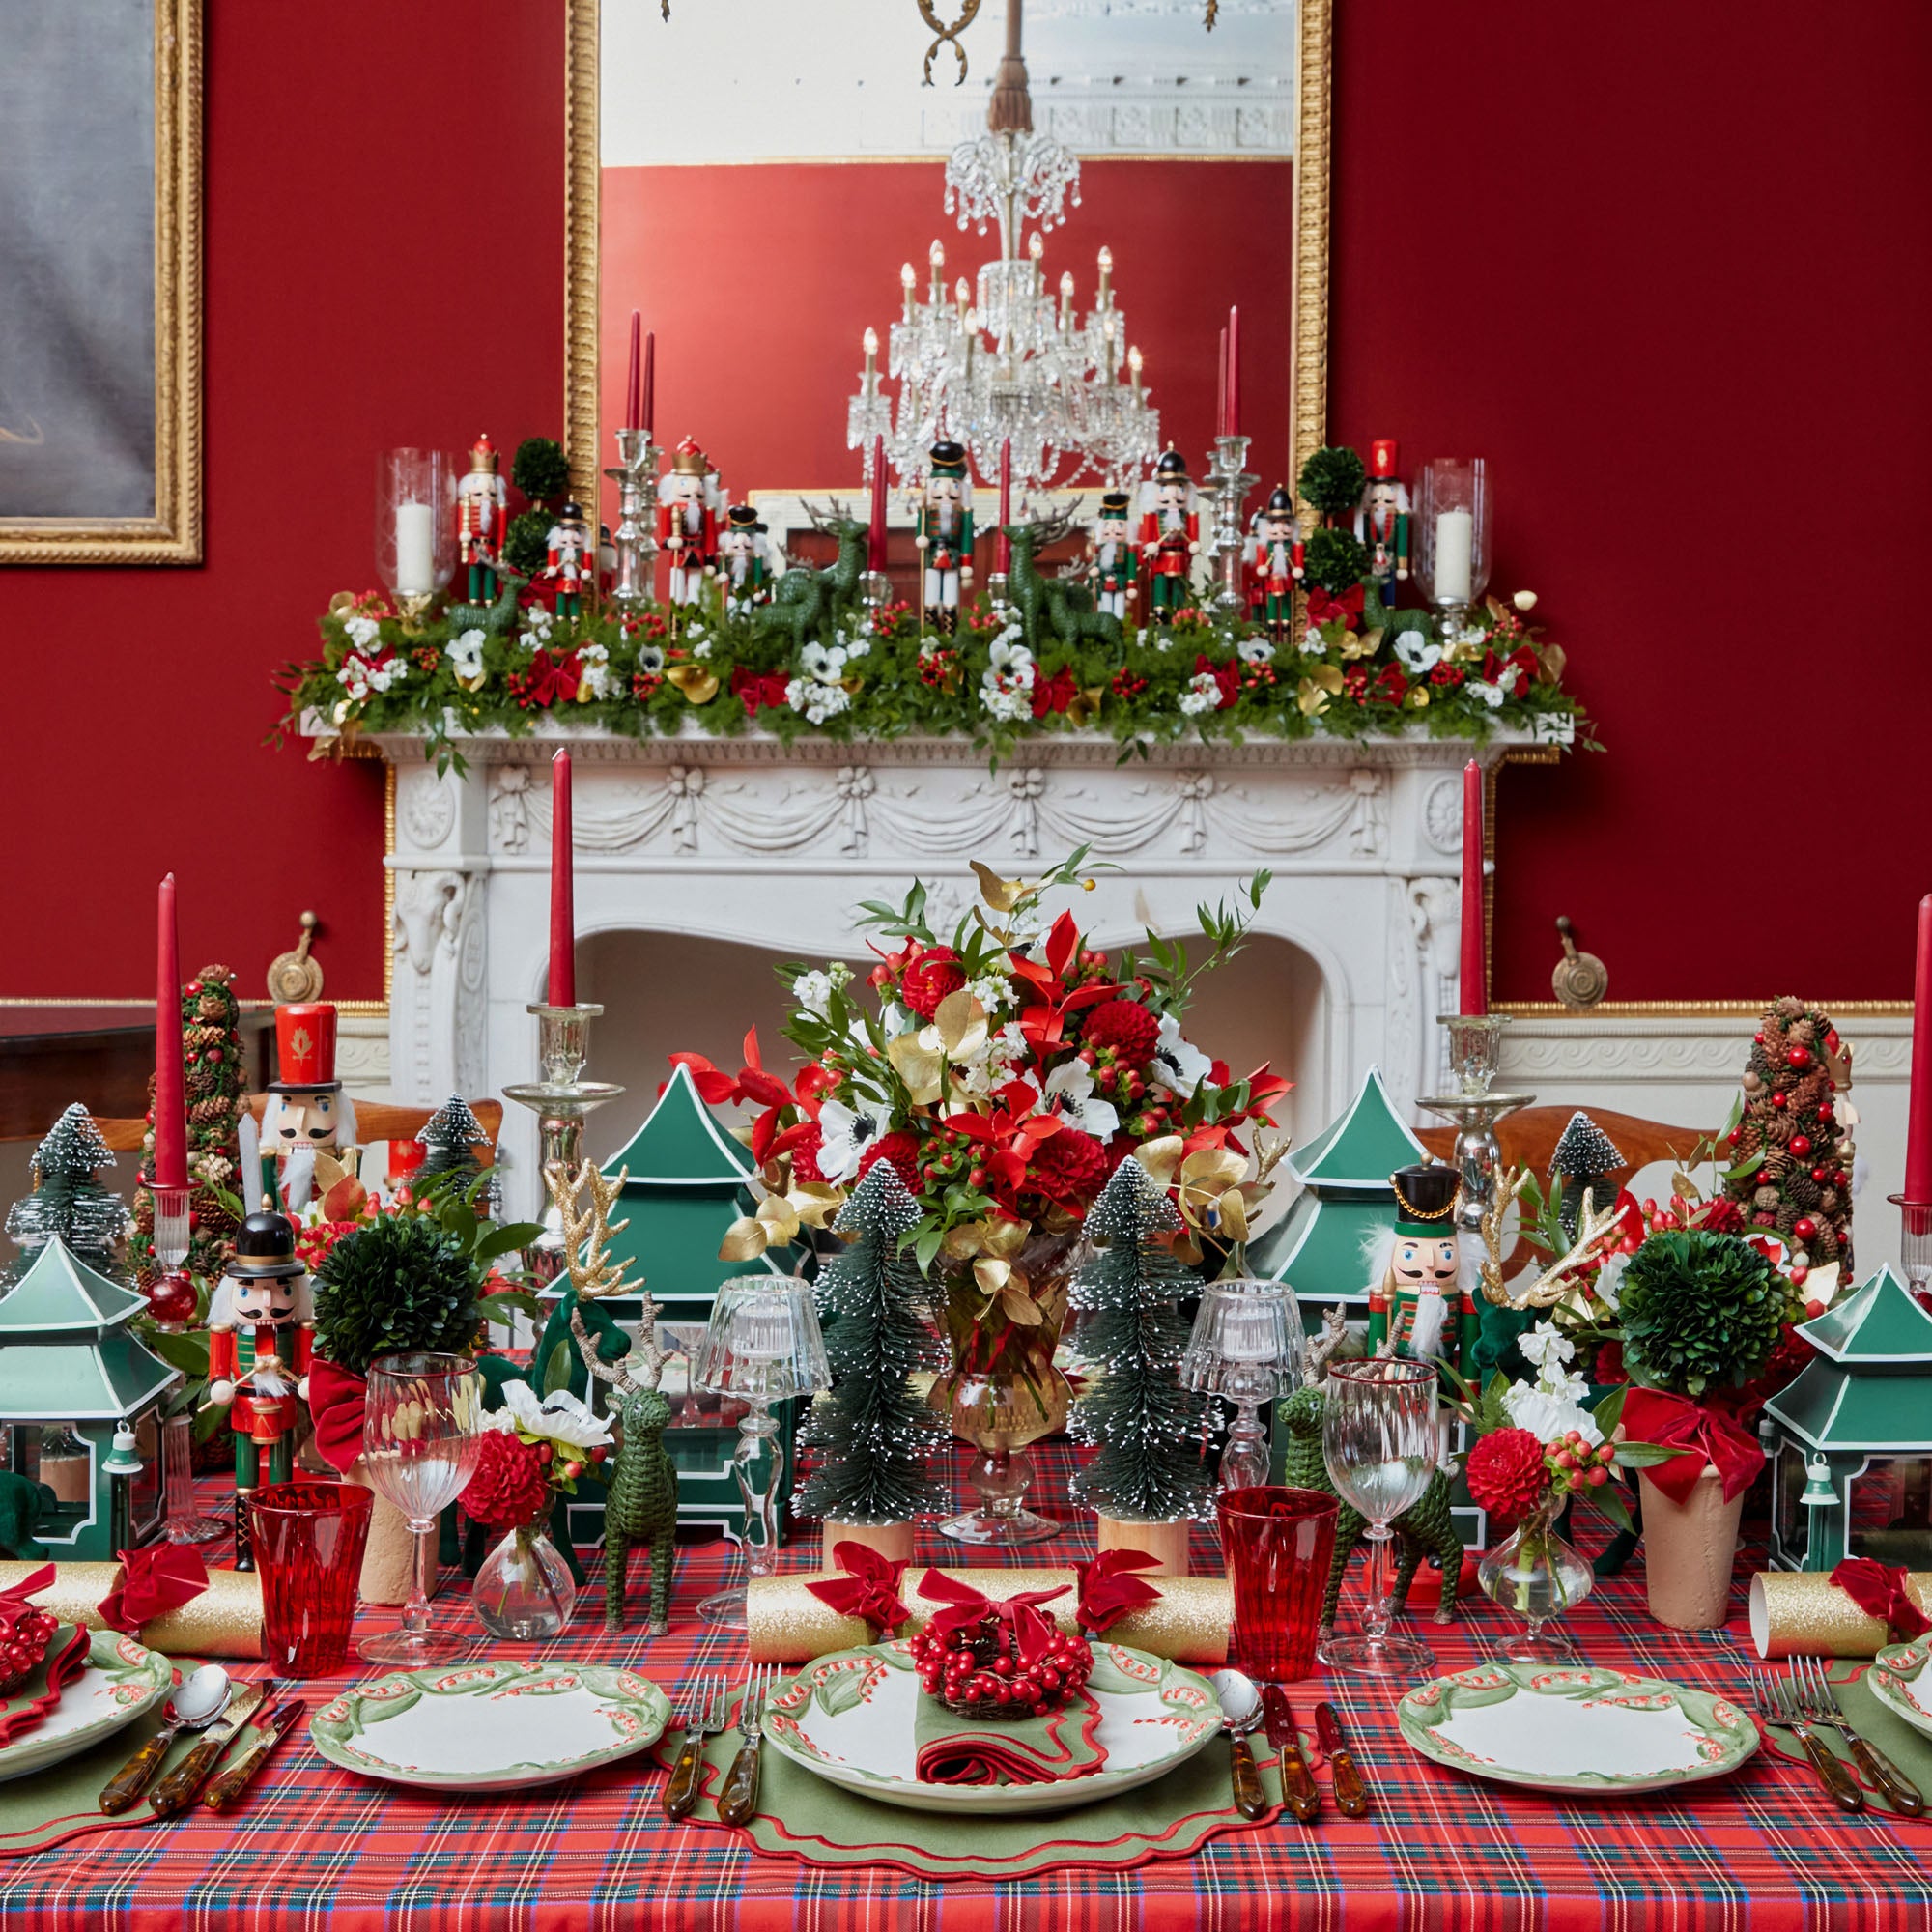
[388, 1559]
[891, 1540]
[1167, 1540]
[1689, 1550]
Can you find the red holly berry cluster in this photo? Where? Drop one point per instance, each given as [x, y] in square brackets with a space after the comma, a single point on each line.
[23, 1645]
[978, 1673]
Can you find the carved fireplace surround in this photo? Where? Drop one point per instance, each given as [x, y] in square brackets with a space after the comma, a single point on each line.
[744, 839]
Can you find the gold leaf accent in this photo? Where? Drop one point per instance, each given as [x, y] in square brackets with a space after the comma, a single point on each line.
[1416, 697]
[992, 1275]
[1085, 709]
[1160, 1157]
[1551, 660]
[1002, 894]
[1017, 1305]
[920, 1067]
[745, 1239]
[1233, 1210]
[815, 1202]
[697, 684]
[961, 1021]
[781, 1218]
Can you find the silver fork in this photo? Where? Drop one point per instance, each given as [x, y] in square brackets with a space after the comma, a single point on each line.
[1820, 1701]
[708, 1706]
[1777, 1705]
[738, 1800]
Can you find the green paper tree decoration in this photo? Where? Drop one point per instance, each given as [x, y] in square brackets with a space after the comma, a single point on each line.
[1584, 1154]
[874, 1432]
[68, 1201]
[1145, 1426]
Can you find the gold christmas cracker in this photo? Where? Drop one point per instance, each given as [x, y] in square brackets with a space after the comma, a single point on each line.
[1190, 1624]
[224, 1621]
[1803, 1613]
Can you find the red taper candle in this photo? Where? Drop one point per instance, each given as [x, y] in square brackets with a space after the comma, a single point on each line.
[875, 536]
[1221, 389]
[634, 396]
[1234, 372]
[170, 1168]
[649, 410]
[562, 897]
[1002, 545]
[1475, 979]
[1919, 1115]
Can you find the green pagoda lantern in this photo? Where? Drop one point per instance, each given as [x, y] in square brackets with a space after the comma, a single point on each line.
[69, 1362]
[1851, 1440]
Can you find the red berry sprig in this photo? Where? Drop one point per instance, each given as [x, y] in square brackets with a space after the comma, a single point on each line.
[977, 1674]
[24, 1645]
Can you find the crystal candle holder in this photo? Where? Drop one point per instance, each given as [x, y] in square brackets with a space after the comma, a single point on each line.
[1246, 1347]
[635, 539]
[416, 528]
[1452, 514]
[1230, 481]
[1476, 1049]
[1915, 1244]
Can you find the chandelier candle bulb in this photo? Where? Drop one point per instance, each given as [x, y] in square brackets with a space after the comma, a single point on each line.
[170, 1164]
[1101, 298]
[1455, 556]
[563, 906]
[870, 341]
[1474, 978]
[1065, 297]
[906, 280]
[1919, 1122]
[1134, 369]
[415, 549]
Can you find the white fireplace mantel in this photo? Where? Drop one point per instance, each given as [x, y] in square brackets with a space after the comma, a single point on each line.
[746, 839]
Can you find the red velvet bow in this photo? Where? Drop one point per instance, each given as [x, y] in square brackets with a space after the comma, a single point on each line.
[154, 1581]
[756, 688]
[1032, 1632]
[336, 1399]
[1107, 1594]
[1707, 1436]
[1324, 608]
[870, 1587]
[14, 1601]
[1878, 1589]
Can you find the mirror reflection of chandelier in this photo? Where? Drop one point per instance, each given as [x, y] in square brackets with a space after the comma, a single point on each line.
[1002, 359]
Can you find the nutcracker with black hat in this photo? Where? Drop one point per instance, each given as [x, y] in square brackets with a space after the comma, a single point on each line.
[1170, 533]
[308, 1125]
[261, 1327]
[944, 535]
[1112, 565]
[1381, 523]
[568, 559]
[1276, 564]
[743, 560]
[1422, 1288]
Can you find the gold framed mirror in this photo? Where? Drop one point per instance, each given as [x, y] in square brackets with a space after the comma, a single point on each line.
[751, 176]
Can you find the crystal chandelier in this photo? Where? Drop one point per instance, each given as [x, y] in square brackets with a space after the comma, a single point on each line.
[1000, 360]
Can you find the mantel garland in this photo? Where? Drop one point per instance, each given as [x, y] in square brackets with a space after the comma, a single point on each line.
[1359, 671]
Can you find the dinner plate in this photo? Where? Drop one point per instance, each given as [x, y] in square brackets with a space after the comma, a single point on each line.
[120, 1681]
[849, 1717]
[490, 1726]
[1573, 1728]
[1898, 1679]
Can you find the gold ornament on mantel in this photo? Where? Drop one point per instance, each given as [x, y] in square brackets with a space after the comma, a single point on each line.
[296, 977]
[1595, 1229]
[1580, 979]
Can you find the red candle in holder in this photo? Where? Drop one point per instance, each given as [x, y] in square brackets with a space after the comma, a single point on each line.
[633, 385]
[1221, 389]
[875, 538]
[1002, 545]
[1474, 976]
[1234, 372]
[170, 1169]
[648, 408]
[1919, 1116]
[562, 904]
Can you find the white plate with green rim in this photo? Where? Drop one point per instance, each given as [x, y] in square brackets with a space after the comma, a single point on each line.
[120, 1681]
[490, 1726]
[849, 1717]
[1573, 1728]
[1899, 1680]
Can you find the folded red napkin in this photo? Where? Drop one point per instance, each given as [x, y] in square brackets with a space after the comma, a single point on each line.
[64, 1661]
[1034, 1750]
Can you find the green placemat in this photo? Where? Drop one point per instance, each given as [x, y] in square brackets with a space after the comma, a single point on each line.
[46, 1806]
[802, 1817]
[1909, 1750]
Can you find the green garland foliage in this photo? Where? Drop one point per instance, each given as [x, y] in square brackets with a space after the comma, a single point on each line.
[1336, 559]
[1333, 480]
[540, 469]
[1700, 1311]
[403, 1282]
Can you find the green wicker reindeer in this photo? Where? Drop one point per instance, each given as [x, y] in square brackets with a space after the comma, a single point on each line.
[1425, 1529]
[642, 1505]
[1051, 608]
[497, 618]
[808, 603]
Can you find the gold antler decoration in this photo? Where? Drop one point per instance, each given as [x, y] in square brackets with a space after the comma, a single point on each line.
[596, 1275]
[1593, 1230]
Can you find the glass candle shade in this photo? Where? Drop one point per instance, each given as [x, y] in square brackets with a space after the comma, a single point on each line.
[309, 1540]
[1277, 1544]
[1915, 1244]
[1452, 514]
[415, 521]
[1246, 1347]
[171, 1223]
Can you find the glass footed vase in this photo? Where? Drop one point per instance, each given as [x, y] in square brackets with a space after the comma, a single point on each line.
[1003, 1393]
[524, 1590]
[1538, 1575]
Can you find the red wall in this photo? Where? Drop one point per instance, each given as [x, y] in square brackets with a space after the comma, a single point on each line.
[1665, 267]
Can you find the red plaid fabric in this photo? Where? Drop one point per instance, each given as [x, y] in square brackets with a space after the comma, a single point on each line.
[314, 1850]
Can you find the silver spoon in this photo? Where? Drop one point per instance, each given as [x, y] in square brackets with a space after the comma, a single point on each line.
[1240, 1713]
[195, 1705]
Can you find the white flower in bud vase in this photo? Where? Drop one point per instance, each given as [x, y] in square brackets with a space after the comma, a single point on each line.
[465, 653]
[1070, 1093]
[559, 1415]
[1548, 1415]
[1525, 600]
[1256, 651]
[1179, 1066]
[363, 631]
[813, 992]
[847, 1135]
[1546, 1347]
[1418, 652]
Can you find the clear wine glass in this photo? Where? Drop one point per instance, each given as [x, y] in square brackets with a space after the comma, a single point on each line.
[1380, 1438]
[420, 1443]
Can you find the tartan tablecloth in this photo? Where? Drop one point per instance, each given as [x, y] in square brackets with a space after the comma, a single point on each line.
[314, 1848]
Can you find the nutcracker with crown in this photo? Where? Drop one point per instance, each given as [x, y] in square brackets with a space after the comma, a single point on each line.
[744, 559]
[688, 520]
[260, 1376]
[1112, 565]
[1422, 1288]
[1276, 567]
[944, 536]
[482, 510]
[569, 562]
[308, 1126]
[1382, 524]
[1170, 533]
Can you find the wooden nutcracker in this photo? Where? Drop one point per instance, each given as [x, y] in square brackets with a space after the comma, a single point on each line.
[1169, 534]
[1383, 521]
[261, 1377]
[567, 559]
[1422, 1287]
[482, 510]
[687, 522]
[944, 536]
[1113, 565]
[1275, 565]
[744, 559]
[308, 1126]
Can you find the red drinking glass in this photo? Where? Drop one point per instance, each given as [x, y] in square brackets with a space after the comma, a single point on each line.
[1277, 1544]
[308, 1546]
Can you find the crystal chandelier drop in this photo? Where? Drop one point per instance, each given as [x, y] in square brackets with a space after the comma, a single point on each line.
[1000, 360]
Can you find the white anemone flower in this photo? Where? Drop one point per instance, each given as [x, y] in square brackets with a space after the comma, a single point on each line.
[1070, 1093]
[847, 1134]
[1179, 1066]
[1549, 1416]
[813, 992]
[560, 1416]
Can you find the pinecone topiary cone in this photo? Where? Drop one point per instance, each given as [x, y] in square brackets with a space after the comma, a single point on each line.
[1787, 1217]
[1828, 1200]
[1807, 1095]
[1825, 1247]
[1789, 1009]
[1749, 1140]
[1803, 1190]
[1766, 1197]
[1778, 1130]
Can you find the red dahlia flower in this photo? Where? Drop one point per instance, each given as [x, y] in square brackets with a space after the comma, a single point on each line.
[1506, 1472]
[1128, 1027]
[930, 976]
[1067, 1167]
[508, 1488]
[901, 1148]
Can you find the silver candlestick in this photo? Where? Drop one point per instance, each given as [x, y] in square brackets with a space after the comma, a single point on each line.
[1475, 1046]
[634, 538]
[1232, 482]
[560, 1100]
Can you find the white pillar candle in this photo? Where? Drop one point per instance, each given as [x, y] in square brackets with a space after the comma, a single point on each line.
[1454, 545]
[415, 549]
